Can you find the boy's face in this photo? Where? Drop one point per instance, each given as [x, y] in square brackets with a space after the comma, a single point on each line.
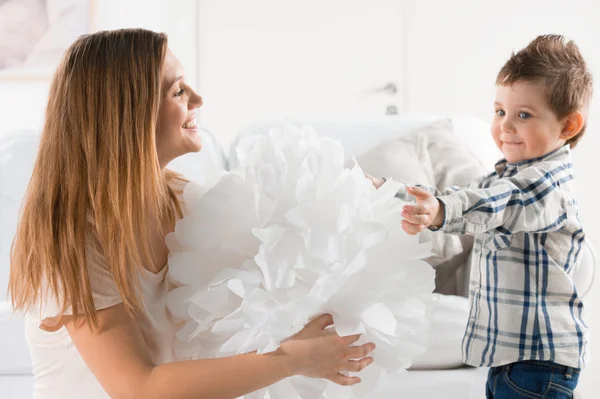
[524, 126]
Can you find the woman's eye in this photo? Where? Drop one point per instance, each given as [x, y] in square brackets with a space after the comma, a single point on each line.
[179, 93]
[524, 115]
[500, 112]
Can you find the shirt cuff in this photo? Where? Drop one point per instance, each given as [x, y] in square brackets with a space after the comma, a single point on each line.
[453, 214]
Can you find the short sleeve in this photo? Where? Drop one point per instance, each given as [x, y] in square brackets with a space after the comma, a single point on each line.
[177, 184]
[104, 293]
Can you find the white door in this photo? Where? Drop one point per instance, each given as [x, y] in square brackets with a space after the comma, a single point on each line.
[264, 59]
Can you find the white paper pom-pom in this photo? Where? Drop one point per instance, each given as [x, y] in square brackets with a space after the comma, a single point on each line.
[287, 237]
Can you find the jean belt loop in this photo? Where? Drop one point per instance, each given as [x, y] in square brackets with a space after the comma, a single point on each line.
[569, 373]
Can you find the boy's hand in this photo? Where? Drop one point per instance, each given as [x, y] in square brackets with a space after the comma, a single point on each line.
[428, 211]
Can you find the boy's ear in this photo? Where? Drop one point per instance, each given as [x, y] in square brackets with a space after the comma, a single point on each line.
[572, 125]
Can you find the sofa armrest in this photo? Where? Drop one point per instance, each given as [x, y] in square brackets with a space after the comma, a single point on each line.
[448, 322]
[585, 273]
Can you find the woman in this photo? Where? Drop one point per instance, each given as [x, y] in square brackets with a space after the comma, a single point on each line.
[88, 262]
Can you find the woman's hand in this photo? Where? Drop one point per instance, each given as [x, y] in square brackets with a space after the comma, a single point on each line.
[428, 211]
[319, 353]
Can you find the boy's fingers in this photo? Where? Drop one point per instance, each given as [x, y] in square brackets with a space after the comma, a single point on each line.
[412, 229]
[419, 193]
[415, 219]
[409, 231]
[416, 209]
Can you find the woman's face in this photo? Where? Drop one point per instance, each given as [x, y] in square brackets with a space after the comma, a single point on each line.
[177, 133]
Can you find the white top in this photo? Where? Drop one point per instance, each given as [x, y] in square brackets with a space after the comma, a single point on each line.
[59, 372]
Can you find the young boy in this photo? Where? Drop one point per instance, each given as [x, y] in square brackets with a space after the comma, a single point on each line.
[526, 318]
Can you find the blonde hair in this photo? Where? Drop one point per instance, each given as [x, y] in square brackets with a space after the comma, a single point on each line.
[556, 64]
[97, 176]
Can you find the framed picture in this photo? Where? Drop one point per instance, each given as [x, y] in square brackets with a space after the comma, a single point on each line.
[34, 35]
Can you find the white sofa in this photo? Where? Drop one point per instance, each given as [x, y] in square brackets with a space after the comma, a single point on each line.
[438, 373]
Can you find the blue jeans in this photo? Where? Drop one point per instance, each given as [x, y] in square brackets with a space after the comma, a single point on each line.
[531, 380]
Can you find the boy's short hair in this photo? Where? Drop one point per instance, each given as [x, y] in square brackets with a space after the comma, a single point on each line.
[559, 67]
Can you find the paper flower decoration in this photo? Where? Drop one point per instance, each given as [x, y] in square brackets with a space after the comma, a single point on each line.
[288, 236]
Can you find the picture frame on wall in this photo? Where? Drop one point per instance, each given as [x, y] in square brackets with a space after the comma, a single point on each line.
[34, 34]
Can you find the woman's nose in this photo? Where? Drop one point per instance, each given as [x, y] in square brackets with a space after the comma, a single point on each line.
[196, 101]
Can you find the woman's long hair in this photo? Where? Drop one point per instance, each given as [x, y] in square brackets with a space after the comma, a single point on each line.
[97, 176]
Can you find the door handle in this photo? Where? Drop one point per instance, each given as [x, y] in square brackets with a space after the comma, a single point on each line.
[390, 88]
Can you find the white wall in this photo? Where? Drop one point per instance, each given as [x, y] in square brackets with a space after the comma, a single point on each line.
[23, 100]
[296, 59]
[454, 51]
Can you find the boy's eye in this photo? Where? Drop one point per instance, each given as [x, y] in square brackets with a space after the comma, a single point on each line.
[500, 112]
[524, 115]
[179, 93]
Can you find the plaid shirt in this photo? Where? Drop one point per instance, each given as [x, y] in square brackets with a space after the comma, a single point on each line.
[528, 241]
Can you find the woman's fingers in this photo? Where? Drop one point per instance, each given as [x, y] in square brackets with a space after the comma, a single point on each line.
[358, 352]
[355, 366]
[341, 379]
[350, 339]
[322, 322]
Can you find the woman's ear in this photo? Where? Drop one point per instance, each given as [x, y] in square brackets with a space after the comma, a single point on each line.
[572, 125]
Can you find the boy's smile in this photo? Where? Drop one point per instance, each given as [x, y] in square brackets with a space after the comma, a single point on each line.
[524, 127]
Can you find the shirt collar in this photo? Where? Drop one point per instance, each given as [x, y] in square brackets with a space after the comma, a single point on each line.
[562, 153]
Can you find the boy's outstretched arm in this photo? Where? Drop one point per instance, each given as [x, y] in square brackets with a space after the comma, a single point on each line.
[532, 200]
[377, 182]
